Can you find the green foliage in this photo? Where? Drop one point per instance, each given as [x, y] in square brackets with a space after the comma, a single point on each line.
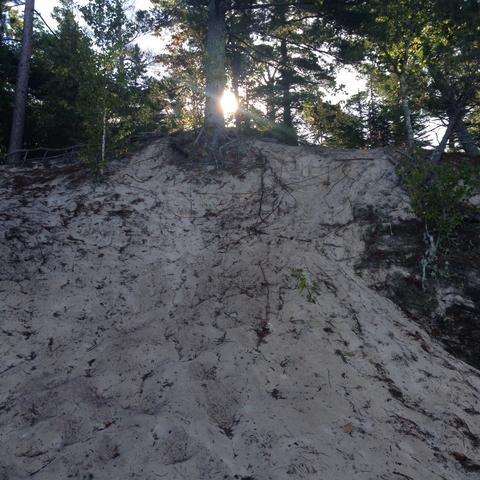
[379, 110]
[332, 126]
[182, 88]
[439, 194]
[10, 36]
[311, 288]
[89, 80]
[83, 80]
[120, 67]
[63, 83]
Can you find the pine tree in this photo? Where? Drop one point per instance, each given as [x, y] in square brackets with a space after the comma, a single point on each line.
[21, 86]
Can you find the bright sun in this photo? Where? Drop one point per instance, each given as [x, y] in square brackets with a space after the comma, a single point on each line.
[229, 102]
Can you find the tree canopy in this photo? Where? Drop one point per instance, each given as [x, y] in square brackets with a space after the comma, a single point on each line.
[90, 83]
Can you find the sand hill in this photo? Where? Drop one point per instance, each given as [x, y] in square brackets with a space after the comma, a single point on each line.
[183, 323]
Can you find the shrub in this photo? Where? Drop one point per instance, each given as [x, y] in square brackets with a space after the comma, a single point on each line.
[439, 195]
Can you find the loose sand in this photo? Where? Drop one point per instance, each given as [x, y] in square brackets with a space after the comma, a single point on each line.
[152, 328]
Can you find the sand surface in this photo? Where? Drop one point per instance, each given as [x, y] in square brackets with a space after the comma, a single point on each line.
[153, 327]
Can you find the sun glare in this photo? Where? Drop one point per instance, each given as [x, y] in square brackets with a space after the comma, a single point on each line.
[229, 102]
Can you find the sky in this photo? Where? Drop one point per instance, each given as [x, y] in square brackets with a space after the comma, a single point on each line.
[352, 82]
[345, 76]
[146, 42]
[46, 6]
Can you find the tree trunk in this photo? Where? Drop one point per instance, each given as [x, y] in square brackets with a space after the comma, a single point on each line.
[286, 83]
[246, 110]
[214, 123]
[271, 105]
[456, 102]
[21, 88]
[407, 115]
[466, 139]
[438, 152]
[104, 139]
[235, 87]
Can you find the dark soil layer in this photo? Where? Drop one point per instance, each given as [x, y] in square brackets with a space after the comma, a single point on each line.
[397, 250]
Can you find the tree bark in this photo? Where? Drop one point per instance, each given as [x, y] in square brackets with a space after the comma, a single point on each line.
[271, 105]
[466, 140]
[407, 114]
[214, 122]
[455, 103]
[286, 83]
[440, 149]
[21, 88]
[104, 138]
[246, 115]
[235, 87]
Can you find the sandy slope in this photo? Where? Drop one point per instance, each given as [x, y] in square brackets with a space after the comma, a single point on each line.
[152, 328]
